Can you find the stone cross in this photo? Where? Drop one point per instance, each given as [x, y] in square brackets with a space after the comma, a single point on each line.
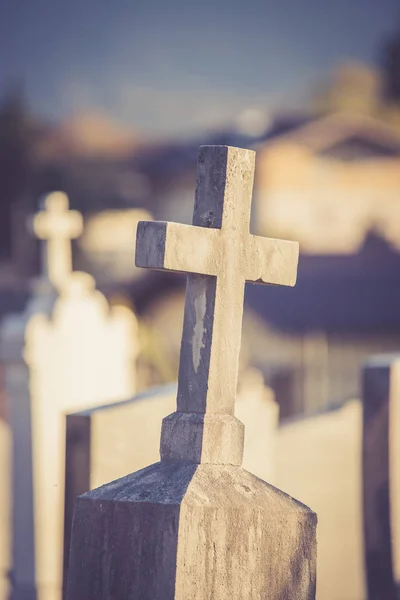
[58, 226]
[219, 254]
[195, 524]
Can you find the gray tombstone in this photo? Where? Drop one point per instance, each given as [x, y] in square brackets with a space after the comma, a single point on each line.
[381, 479]
[109, 441]
[319, 458]
[196, 525]
[345, 462]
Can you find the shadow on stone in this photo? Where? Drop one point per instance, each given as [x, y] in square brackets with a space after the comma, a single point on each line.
[136, 517]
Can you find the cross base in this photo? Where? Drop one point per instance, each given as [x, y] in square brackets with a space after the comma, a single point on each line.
[202, 438]
[177, 531]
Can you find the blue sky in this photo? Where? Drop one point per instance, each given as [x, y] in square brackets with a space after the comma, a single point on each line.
[174, 66]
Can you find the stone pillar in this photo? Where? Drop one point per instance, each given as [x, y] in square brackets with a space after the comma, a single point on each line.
[197, 525]
[381, 482]
[19, 530]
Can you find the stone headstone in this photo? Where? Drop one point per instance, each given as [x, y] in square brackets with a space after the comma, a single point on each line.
[318, 459]
[68, 351]
[107, 442]
[196, 524]
[345, 462]
[381, 476]
[18, 523]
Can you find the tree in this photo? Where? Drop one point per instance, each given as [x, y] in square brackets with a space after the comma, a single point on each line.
[351, 87]
[391, 68]
[15, 160]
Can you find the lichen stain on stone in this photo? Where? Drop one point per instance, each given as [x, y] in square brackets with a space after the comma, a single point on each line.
[199, 330]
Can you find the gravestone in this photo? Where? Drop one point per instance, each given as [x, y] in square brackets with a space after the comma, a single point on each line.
[318, 459]
[345, 462]
[69, 350]
[196, 525]
[381, 476]
[18, 524]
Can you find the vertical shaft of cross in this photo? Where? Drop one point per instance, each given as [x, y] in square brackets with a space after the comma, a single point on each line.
[214, 305]
[204, 428]
[57, 259]
[219, 255]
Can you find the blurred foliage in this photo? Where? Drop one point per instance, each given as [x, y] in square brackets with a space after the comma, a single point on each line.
[17, 136]
[351, 86]
[363, 89]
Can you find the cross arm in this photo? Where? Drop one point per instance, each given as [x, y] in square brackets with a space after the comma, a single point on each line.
[177, 247]
[272, 261]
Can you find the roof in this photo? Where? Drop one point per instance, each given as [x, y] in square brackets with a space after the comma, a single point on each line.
[319, 134]
[166, 164]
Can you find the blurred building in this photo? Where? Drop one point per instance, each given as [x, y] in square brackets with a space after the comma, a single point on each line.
[328, 182]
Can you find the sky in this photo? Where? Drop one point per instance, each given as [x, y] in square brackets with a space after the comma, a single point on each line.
[164, 67]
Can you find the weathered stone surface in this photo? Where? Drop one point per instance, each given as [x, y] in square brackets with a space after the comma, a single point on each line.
[203, 438]
[107, 442]
[176, 530]
[220, 255]
[110, 441]
[196, 524]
